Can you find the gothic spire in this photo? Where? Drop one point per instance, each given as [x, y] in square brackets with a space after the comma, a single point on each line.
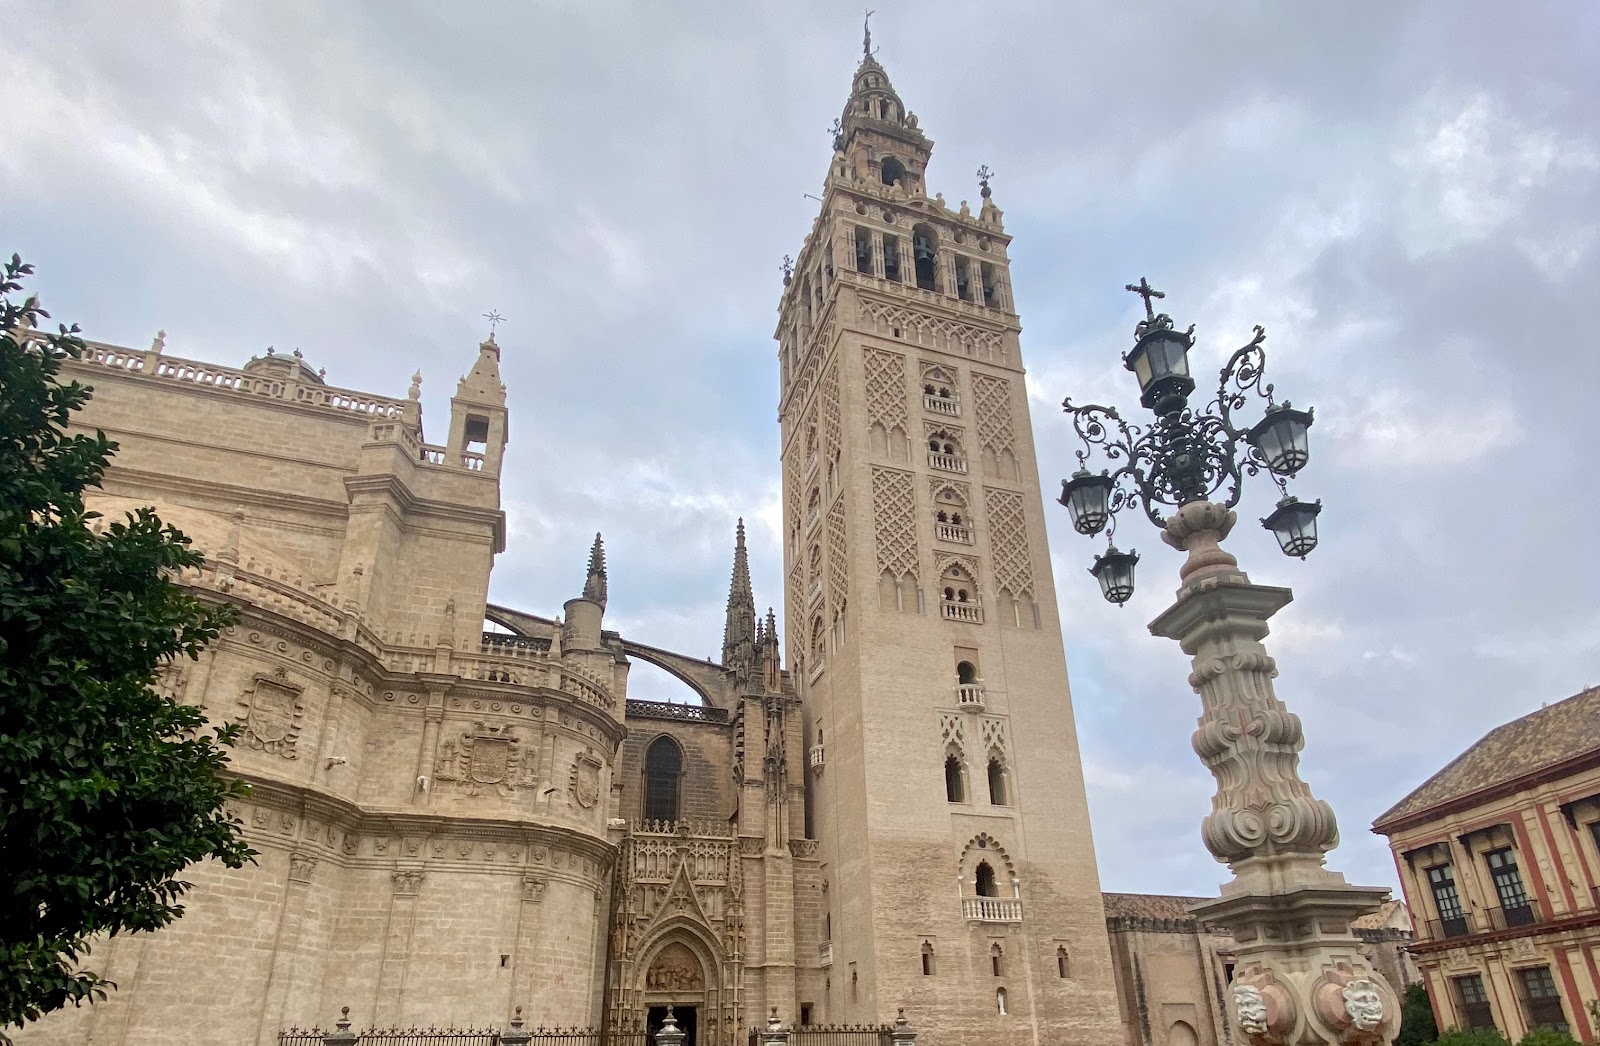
[739, 632]
[594, 588]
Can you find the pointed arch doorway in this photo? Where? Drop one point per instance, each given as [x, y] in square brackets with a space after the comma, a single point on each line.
[678, 976]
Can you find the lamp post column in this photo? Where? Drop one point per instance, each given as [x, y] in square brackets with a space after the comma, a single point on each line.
[1301, 978]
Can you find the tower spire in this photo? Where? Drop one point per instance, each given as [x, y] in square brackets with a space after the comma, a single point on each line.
[594, 587]
[739, 633]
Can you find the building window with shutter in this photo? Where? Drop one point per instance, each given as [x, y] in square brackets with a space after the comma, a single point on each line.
[1473, 1002]
[1447, 901]
[1540, 1000]
[1515, 907]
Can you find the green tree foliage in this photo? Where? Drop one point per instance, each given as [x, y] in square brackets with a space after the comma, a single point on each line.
[108, 790]
[1547, 1037]
[1416, 1018]
[1473, 1037]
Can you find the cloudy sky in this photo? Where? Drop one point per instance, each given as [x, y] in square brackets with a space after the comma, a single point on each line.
[1407, 195]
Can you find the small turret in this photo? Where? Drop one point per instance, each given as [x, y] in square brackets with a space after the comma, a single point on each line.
[584, 614]
[478, 425]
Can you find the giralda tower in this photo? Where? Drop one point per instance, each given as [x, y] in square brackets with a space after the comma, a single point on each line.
[945, 788]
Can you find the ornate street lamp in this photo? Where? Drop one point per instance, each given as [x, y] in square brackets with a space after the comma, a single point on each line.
[1300, 977]
[1187, 455]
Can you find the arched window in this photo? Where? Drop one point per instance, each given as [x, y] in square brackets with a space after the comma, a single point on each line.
[997, 782]
[953, 791]
[927, 959]
[1062, 967]
[963, 279]
[965, 673]
[863, 251]
[925, 256]
[1000, 1001]
[997, 959]
[819, 642]
[891, 258]
[663, 767]
[893, 170]
[984, 881]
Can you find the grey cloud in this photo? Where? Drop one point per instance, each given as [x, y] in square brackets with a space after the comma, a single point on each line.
[1406, 195]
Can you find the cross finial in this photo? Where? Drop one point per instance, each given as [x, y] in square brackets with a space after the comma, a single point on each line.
[866, 34]
[788, 269]
[1145, 291]
[495, 319]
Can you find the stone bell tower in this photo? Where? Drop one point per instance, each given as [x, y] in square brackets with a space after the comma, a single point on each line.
[945, 788]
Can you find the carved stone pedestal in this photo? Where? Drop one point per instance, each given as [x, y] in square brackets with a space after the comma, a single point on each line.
[1300, 977]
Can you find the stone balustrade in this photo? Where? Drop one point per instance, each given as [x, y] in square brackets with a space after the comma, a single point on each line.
[942, 405]
[970, 696]
[955, 610]
[176, 369]
[952, 533]
[992, 909]
[947, 462]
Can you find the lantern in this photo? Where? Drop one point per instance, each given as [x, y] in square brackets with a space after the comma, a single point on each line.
[1088, 498]
[1280, 439]
[1294, 524]
[1160, 360]
[1114, 571]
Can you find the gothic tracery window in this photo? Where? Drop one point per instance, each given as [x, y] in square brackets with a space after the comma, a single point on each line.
[663, 768]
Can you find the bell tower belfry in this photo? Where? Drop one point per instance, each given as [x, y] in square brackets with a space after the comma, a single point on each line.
[959, 876]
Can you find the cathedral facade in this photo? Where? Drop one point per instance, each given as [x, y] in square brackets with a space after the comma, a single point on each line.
[459, 812]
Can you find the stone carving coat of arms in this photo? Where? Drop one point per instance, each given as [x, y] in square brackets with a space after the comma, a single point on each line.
[271, 713]
[586, 779]
[486, 757]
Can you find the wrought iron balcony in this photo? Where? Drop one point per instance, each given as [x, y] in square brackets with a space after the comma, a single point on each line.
[1485, 920]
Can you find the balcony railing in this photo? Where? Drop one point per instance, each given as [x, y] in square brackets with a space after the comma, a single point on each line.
[817, 757]
[1484, 920]
[955, 610]
[992, 909]
[969, 696]
[825, 953]
[1545, 1012]
[950, 532]
[1477, 1014]
[942, 405]
[947, 462]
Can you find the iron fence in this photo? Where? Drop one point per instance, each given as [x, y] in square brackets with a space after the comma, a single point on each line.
[516, 1035]
[841, 1035]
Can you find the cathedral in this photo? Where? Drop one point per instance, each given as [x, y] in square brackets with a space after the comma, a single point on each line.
[878, 804]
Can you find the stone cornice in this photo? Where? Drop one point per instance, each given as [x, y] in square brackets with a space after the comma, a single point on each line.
[368, 821]
[392, 487]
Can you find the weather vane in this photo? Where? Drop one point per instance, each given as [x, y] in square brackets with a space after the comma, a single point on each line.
[495, 319]
[1145, 291]
[788, 268]
[866, 34]
[984, 174]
